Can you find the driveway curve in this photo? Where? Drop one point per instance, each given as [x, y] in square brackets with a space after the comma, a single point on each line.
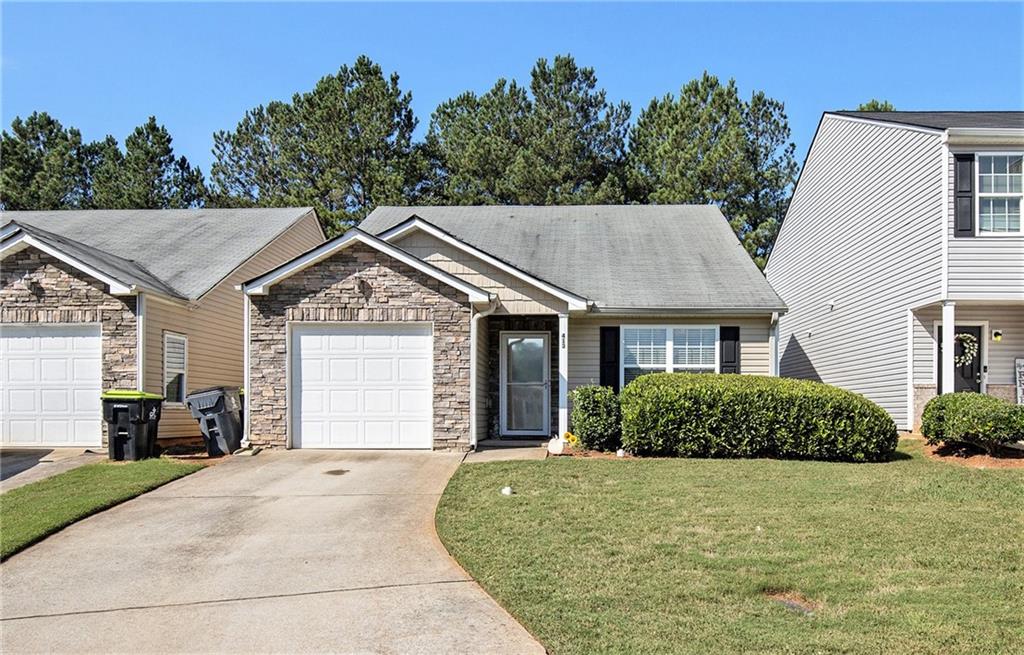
[285, 552]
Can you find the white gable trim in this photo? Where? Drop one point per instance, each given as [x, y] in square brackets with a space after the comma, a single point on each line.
[261, 285]
[576, 303]
[884, 123]
[23, 240]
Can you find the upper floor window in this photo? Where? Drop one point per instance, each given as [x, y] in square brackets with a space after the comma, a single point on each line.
[1000, 191]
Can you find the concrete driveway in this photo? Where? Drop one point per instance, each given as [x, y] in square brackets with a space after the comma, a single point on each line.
[301, 551]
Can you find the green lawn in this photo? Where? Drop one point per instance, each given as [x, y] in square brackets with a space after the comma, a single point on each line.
[631, 556]
[31, 512]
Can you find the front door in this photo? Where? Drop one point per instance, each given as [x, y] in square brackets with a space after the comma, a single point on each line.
[967, 358]
[525, 384]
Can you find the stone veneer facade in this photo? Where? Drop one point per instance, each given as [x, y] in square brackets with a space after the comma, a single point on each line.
[925, 392]
[36, 288]
[359, 284]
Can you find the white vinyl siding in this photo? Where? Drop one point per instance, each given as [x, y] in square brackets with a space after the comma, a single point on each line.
[985, 267]
[860, 246]
[175, 366]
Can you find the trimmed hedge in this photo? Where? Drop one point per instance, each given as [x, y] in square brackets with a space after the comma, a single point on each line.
[974, 419]
[711, 415]
[596, 418]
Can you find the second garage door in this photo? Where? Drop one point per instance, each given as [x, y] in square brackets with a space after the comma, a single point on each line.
[50, 385]
[361, 386]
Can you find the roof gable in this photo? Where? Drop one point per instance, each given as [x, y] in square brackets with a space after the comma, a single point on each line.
[187, 250]
[261, 285]
[944, 120]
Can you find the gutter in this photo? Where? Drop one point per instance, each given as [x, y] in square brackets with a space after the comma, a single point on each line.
[676, 311]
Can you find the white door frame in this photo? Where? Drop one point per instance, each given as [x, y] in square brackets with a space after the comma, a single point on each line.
[503, 338]
[983, 351]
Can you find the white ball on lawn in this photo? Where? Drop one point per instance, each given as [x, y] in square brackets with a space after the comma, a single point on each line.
[506, 491]
[620, 453]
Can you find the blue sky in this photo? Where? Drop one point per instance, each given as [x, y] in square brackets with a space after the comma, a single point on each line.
[105, 68]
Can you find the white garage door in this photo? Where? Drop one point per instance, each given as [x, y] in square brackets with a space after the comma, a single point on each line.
[50, 384]
[362, 386]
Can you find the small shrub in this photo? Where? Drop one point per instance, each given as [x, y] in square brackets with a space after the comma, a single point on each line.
[974, 419]
[596, 418]
[709, 415]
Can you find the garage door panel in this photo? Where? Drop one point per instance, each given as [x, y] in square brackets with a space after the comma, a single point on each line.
[344, 370]
[377, 385]
[51, 385]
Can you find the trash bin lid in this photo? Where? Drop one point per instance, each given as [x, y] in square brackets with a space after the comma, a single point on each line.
[222, 389]
[129, 394]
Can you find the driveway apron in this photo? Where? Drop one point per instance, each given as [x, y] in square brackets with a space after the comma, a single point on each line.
[300, 551]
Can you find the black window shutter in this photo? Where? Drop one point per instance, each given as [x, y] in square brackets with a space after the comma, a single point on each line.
[963, 187]
[610, 357]
[729, 344]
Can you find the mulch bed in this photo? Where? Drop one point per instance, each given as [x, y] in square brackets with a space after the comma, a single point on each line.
[973, 458]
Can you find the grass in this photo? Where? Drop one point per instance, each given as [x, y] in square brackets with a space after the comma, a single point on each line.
[655, 556]
[36, 510]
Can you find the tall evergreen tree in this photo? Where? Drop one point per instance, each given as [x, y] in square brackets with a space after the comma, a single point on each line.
[876, 105]
[146, 175]
[710, 146]
[563, 142]
[43, 165]
[344, 147]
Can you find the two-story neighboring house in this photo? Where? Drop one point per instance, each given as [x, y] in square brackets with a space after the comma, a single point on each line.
[903, 223]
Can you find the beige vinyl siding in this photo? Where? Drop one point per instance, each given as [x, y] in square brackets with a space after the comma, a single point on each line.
[1008, 318]
[214, 327]
[984, 267]
[860, 246]
[516, 295]
[585, 342]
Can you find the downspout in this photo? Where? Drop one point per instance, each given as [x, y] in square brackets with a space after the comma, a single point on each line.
[140, 342]
[492, 305]
[246, 306]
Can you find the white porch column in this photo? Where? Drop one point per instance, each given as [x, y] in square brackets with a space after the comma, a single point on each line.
[948, 344]
[563, 374]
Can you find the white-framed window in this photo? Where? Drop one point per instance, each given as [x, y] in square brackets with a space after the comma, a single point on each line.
[175, 365]
[667, 348]
[1000, 192]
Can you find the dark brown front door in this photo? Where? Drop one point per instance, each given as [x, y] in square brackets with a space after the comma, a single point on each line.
[967, 376]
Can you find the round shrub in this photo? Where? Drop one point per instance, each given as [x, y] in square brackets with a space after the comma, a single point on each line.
[596, 419]
[709, 415]
[974, 419]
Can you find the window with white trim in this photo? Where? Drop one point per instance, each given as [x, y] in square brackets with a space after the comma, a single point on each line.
[668, 348]
[1000, 191]
[175, 363]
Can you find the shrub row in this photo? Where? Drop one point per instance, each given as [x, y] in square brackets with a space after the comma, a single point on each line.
[975, 419]
[709, 415]
[596, 419]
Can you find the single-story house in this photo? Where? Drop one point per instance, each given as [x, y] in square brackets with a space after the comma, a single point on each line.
[437, 327]
[137, 299]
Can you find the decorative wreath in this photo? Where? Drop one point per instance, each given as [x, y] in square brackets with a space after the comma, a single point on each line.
[969, 349]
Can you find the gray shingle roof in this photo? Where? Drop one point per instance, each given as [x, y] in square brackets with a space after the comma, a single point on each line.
[943, 120]
[186, 251]
[618, 256]
[127, 272]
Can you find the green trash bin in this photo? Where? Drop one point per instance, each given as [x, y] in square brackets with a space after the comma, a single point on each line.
[132, 419]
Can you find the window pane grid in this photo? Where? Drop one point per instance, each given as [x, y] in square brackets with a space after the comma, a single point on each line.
[1000, 189]
[646, 349]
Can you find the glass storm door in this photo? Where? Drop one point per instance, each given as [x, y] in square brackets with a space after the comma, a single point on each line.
[525, 384]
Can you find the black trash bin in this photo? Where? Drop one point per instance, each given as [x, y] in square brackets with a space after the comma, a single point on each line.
[218, 411]
[132, 418]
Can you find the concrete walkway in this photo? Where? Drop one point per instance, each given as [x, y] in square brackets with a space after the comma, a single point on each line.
[302, 551]
[19, 466]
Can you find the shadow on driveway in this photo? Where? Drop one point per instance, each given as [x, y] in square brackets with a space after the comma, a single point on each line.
[19, 466]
